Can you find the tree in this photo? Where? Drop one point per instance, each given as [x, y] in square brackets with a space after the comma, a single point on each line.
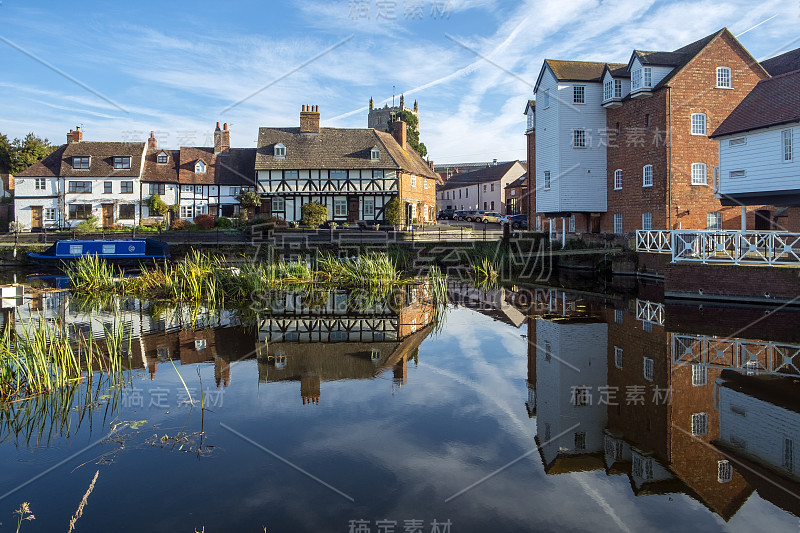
[18, 155]
[392, 211]
[249, 199]
[412, 133]
[157, 206]
[314, 214]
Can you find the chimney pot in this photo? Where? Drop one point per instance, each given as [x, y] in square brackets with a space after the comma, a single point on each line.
[309, 119]
[222, 140]
[152, 143]
[399, 132]
[225, 126]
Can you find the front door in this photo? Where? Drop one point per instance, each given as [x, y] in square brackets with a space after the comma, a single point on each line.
[352, 209]
[108, 215]
[36, 217]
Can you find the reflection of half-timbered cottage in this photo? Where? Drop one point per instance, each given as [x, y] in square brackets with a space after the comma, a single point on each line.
[353, 172]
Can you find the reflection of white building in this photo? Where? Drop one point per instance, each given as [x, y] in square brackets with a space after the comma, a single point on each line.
[759, 419]
[570, 369]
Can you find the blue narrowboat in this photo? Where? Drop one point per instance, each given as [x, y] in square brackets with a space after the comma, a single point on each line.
[123, 251]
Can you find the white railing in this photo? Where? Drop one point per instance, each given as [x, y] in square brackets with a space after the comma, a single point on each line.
[648, 311]
[653, 240]
[745, 355]
[736, 247]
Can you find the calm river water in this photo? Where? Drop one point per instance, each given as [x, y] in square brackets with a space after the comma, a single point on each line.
[518, 410]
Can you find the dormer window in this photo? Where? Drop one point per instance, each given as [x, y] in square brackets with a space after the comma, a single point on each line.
[162, 158]
[81, 162]
[724, 78]
[641, 78]
[280, 150]
[122, 162]
[375, 154]
[200, 167]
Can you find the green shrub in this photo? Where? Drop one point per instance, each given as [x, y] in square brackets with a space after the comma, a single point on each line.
[393, 211]
[180, 224]
[268, 219]
[87, 226]
[157, 206]
[223, 223]
[314, 214]
[204, 221]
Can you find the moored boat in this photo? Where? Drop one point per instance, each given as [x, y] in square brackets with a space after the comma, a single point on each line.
[121, 251]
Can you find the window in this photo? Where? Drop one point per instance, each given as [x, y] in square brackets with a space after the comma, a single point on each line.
[617, 88]
[714, 220]
[200, 344]
[618, 223]
[724, 78]
[618, 179]
[724, 471]
[738, 141]
[162, 158]
[579, 94]
[647, 121]
[737, 174]
[108, 187]
[198, 189]
[40, 184]
[617, 357]
[484, 188]
[647, 327]
[618, 315]
[788, 454]
[377, 174]
[548, 351]
[642, 467]
[80, 162]
[699, 375]
[485, 206]
[80, 186]
[339, 207]
[491, 205]
[788, 152]
[424, 183]
[158, 188]
[126, 187]
[608, 90]
[698, 123]
[413, 180]
[122, 162]
[127, 211]
[579, 138]
[375, 154]
[647, 221]
[80, 211]
[636, 79]
[648, 369]
[369, 207]
[581, 396]
[699, 424]
[571, 223]
[338, 174]
[466, 193]
[187, 211]
[647, 176]
[279, 150]
[546, 99]
[580, 440]
[699, 174]
[648, 77]
[491, 187]
[49, 214]
[546, 179]
[200, 167]
[278, 203]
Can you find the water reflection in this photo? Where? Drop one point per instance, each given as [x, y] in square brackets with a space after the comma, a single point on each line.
[634, 389]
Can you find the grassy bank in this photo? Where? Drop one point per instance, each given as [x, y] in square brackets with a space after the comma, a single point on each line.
[202, 277]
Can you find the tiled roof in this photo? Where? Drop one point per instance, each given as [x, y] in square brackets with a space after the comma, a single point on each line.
[772, 101]
[519, 182]
[483, 175]
[153, 171]
[786, 62]
[335, 148]
[579, 70]
[234, 168]
[49, 167]
[102, 162]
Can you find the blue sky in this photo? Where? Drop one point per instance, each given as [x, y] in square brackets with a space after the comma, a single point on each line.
[177, 67]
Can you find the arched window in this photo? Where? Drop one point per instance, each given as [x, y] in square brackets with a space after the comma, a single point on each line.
[618, 178]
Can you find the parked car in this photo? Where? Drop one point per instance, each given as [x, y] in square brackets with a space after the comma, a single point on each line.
[470, 216]
[504, 220]
[487, 216]
[515, 221]
[459, 215]
[448, 214]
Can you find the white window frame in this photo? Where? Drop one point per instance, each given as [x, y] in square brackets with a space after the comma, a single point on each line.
[578, 94]
[49, 214]
[413, 180]
[617, 88]
[162, 158]
[424, 183]
[618, 357]
[699, 375]
[724, 78]
[647, 77]
[368, 207]
[200, 167]
[724, 471]
[579, 138]
[738, 141]
[375, 154]
[699, 424]
[279, 150]
[40, 184]
[571, 223]
[647, 369]
[647, 176]
[737, 174]
[699, 174]
[608, 90]
[647, 221]
[278, 204]
[340, 207]
[546, 180]
[618, 179]
[546, 99]
[619, 316]
[187, 211]
[787, 142]
[699, 123]
[636, 79]
[714, 220]
[618, 223]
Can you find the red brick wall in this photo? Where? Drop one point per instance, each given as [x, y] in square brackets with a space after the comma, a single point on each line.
[730, 280]
[409, 194]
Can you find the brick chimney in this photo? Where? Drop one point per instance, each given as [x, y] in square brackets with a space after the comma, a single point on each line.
[152, 142]
[75, 136]
[309, 119]
[399, 132]
[222, 139]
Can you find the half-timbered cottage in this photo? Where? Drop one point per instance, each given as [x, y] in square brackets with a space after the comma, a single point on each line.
[353, 172]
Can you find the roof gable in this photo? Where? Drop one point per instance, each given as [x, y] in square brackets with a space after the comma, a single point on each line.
[484, 175]
[48, 167]
[782, 64]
